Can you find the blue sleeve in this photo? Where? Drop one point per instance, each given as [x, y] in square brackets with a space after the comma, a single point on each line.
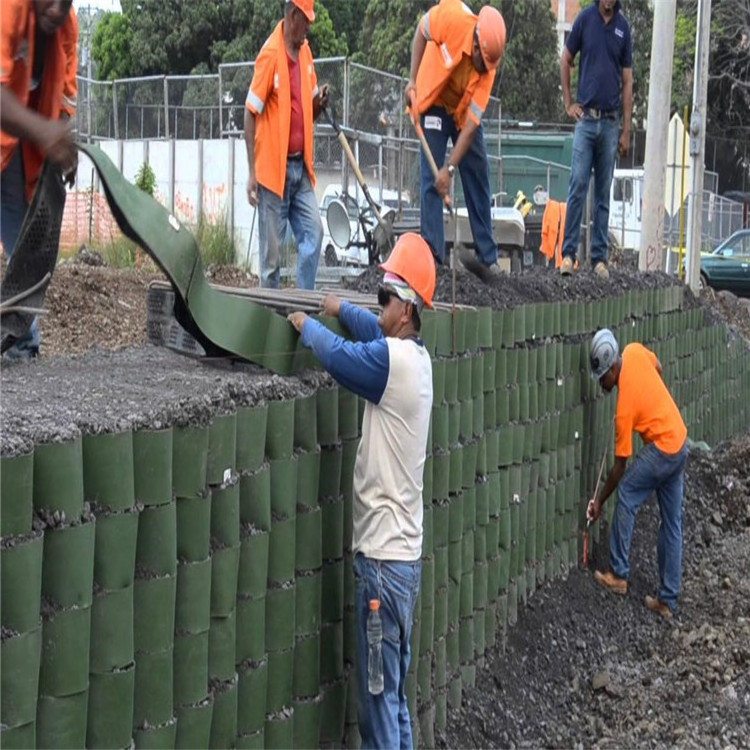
[362, 367]
[573, 42]
[362, 324]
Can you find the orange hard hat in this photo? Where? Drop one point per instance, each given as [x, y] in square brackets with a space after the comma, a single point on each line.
[306, 6]
[412, 260]
[491, 36]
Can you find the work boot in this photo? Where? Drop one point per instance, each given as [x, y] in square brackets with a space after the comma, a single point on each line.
[659, 607]
[610, 581]
[601, 270]
[566, 267]
[495, 271]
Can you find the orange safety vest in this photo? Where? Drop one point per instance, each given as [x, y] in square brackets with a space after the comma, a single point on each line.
[449, 31]
[270, 100]
[553, 230]
[58, 87]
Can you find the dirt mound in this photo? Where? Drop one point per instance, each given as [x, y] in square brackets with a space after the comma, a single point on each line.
[584, 667]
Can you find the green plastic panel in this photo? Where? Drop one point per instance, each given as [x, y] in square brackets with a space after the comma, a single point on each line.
[65, 653]
[110, 709]
[251, 437]
[194, 724]
[190, 667]
[193, 598]
[152, 704]
[189, 460]
[58, 477]
[156, 552]
[19, 678]
[114, 551]
[224, 570]
[16, 494]
[152, 466]
[222, 448]
[108, 470]
[68, 567]
[154, 612]
[255, 498]
[21, 584]
[61, 721]
[111, 630]
[193, 528]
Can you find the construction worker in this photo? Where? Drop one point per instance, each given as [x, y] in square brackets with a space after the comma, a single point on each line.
[454, 56]
[281, 105]
[601, 34]
[38, 61]
[645, 405]
[387, 365]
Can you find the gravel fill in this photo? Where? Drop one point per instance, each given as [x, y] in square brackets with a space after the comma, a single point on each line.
[100, 391]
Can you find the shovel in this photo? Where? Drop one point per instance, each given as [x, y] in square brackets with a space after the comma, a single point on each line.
[596, 492]
[383, 234]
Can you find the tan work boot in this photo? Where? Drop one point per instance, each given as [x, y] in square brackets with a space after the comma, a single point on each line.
[601, 270]
[566, 267]
[659, 607]
[610, 581]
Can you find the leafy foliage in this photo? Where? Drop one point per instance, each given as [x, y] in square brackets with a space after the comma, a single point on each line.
[111, 47]
[145, 179]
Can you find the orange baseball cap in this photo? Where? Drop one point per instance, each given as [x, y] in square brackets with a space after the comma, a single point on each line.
[306, 6]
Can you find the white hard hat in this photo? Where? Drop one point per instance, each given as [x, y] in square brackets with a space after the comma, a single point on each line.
[604, 352]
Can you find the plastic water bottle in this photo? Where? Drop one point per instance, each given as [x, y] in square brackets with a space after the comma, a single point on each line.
[374, 649]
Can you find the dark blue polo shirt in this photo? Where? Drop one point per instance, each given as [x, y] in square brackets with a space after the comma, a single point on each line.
[605, 51]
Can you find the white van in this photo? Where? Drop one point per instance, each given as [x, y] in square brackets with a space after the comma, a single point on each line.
[626, 207]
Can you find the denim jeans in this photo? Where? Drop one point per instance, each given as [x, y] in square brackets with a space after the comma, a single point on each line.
[475, 178]
[652, 471]
[594, 146]
[12, 212]
[384, 719]
[299, 207]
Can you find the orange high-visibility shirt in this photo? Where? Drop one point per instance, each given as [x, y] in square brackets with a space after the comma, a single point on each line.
[269, 99]
[644, 404]
[449, 31]
[57, 89]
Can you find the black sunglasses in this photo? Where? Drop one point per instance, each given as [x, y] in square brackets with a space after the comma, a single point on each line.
[385, 296]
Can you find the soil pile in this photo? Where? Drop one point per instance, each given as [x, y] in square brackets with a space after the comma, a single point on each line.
[586, 668]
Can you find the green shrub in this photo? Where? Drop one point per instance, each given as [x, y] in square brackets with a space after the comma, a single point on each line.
[145, 179]
[120, 253]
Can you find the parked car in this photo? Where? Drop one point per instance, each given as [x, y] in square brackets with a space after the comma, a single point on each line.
[728, 266]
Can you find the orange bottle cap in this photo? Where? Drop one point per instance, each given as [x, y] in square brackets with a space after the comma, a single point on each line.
[374, 604]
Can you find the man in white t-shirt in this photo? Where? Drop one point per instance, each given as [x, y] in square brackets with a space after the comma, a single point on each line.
[388, 365]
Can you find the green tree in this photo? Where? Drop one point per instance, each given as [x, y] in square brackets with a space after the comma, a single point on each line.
[346, 17]
[387, 31]
[111, 47]
[528, 79]
[323, 38]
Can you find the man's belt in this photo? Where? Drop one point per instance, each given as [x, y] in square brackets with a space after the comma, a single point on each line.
[601, 114]
[296, 156]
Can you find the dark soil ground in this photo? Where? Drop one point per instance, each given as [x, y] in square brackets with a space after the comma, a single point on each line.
[585, 668]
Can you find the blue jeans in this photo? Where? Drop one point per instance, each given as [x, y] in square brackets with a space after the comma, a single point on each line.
[299, 207]
[384, 719]
[594, 146]
[475, 178]
[12, 212]
[652, 471]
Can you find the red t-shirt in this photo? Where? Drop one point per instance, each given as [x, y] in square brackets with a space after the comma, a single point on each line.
[296, 124]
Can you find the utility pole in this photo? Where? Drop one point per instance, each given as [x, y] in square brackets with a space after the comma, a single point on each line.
[698, 144]
[659, 97]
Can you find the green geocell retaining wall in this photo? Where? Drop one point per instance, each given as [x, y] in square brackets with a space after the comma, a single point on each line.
[212, 605]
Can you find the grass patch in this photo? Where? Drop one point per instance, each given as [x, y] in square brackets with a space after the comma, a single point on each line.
[215, 243]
